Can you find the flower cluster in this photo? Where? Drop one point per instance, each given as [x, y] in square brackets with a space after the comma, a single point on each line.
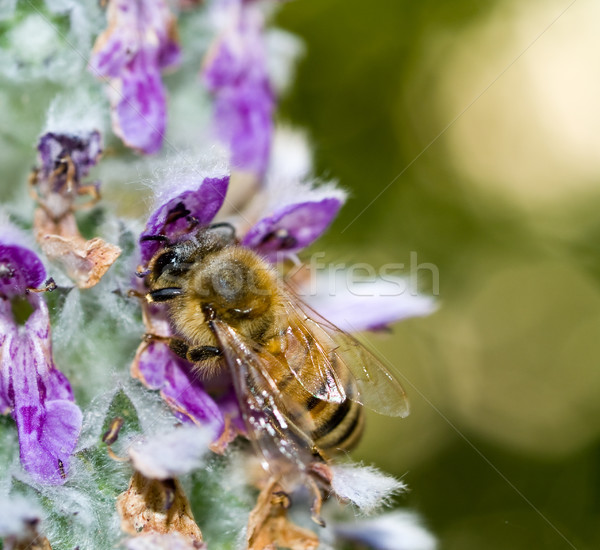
[263, 189]
[141, 41]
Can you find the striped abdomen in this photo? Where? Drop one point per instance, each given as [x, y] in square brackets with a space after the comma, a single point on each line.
[339, 425]
[335, 426]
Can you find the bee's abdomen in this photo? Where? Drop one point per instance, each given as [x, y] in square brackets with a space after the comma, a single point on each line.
[338, 425]
[335, 426]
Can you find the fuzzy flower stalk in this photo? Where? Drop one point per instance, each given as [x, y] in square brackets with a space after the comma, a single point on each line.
[217, 382]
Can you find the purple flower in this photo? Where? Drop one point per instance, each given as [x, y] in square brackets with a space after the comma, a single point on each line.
[139, 42]
[235, 71]
[55, 149]
[37, 395]
[64, 160]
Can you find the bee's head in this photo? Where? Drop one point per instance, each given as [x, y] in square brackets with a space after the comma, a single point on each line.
[178, 258]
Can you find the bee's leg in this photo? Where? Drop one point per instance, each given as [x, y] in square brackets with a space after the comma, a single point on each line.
[178, 347]
[315, 509]
[193, 355]
[202, 353]
[319, 481]
[133, 293]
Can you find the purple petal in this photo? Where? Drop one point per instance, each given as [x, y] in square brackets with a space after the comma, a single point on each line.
[180, 215]
[114, 54]
[59, 387]
[244, 120]
[48, 425]
[292, 227]
[169, 55]
[236, 73]
[5, 405]
[224, 69]
[7, 332]
[372, 304]
[20, 269]
[139, 117]
[47, 438]
[160, 369]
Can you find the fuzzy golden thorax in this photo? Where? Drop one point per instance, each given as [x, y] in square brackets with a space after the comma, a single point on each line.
[236, 286]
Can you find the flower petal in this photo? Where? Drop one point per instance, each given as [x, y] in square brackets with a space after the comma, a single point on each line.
[371, 304]
[48, 425]
[235, 71]
[116, 46]
[20, 268]
[158, 368]
[398, 530]
[292, 227]
[243, 118]
[139, 109]
[179, 215]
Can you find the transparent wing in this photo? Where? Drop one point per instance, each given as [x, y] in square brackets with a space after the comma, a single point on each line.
[343, 367]
[309, 359]
[277, 425]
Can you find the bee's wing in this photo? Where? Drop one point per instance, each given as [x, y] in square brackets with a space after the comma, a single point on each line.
[277, 425]
[336, 354]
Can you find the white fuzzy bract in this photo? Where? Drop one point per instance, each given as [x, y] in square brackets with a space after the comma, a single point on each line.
[172, 454]
[366, 487]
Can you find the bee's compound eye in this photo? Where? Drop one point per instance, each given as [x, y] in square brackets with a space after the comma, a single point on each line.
[162, 262]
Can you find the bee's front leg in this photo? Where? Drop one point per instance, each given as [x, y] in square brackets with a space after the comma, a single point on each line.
[180, 348]
[193, 355]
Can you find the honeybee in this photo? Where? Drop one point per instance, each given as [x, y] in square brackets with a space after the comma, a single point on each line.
[300, 381]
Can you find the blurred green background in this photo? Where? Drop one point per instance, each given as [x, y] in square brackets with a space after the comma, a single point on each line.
[470, 130]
